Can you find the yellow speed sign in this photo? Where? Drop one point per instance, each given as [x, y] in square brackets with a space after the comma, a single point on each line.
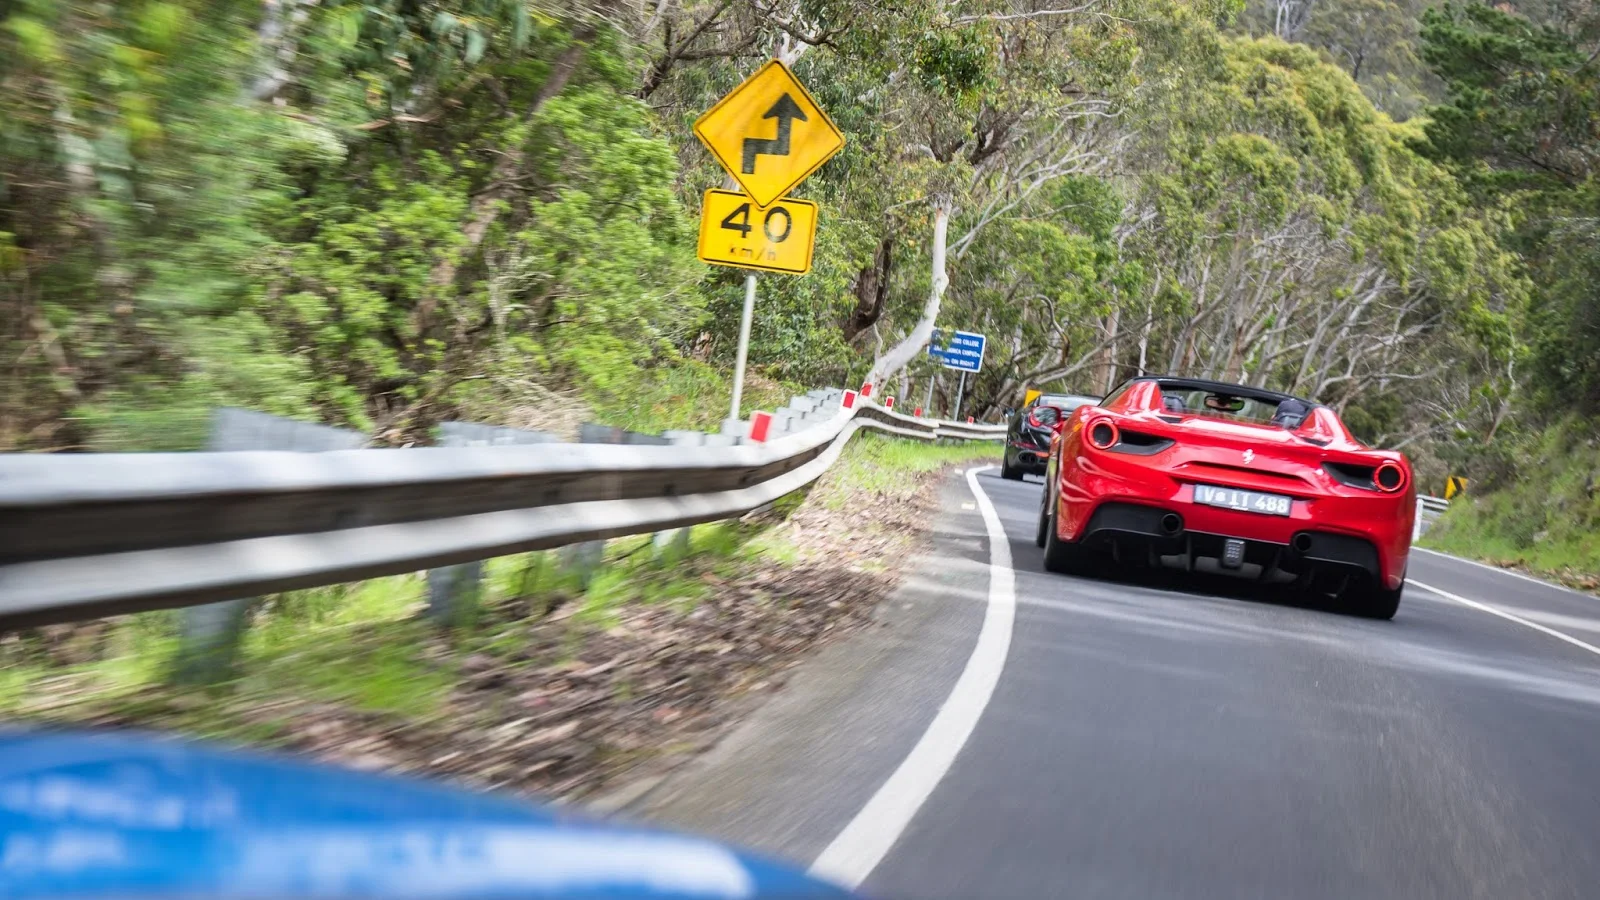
[734, 231]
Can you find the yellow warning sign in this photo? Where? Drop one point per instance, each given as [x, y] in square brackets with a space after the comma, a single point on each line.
[734, 231]
[769, 133]
[1454, 485]
[1030, 396]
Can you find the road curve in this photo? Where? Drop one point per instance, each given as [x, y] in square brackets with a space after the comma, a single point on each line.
[1157, 738]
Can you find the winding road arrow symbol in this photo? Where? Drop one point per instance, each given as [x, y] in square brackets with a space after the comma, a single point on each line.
[785, 111]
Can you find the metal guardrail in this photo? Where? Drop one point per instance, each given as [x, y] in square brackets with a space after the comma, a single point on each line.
[1429, 509]
[88, 535]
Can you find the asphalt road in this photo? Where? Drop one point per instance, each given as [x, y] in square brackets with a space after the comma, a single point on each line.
[1164, 738]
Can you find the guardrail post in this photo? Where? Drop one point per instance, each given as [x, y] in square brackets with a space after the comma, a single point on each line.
[675, 541]
[456, 592]
[583, 559]
[209, 636]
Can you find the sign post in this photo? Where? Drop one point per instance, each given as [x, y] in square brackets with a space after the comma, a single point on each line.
[770, 134]
[744, 345]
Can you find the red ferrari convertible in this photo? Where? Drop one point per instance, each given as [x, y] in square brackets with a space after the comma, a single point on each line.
[1223, 478]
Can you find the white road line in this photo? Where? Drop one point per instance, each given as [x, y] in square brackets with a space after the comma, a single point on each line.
[1512, 572]
[1484, 607]
[864, 842]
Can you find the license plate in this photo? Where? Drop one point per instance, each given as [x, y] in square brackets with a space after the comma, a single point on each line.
[1244, 501]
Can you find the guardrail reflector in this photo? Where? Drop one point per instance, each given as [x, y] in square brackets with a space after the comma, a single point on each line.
[849, 401]
[888, 403]
[760, 426]
[866, 389]
[918, 412]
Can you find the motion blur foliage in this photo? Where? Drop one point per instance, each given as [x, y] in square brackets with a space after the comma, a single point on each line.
[352, 212]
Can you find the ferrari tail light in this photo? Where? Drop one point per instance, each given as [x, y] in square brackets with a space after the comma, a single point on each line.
[1102, 434]
[1033, 419]
[1389, 478]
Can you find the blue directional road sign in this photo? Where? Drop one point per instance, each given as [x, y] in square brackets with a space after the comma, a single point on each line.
[964, 353]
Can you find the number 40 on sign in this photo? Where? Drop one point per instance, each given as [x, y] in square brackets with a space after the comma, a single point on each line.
[736, 232]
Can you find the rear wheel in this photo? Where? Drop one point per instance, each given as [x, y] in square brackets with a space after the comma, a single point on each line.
[1061, 557]
[1044, 517]
[1007, 471]
[1374, 601]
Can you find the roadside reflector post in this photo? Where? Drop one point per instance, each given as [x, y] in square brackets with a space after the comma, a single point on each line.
[866, 389]
[888, 403]
[969, 420]
[760, 426]
[849, 400]
[917, 412]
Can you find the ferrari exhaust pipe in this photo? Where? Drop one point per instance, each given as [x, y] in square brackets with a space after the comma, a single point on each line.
[1301, 543]
[1171, 524]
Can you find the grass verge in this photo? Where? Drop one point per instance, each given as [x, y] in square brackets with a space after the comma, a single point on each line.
[1540, 511]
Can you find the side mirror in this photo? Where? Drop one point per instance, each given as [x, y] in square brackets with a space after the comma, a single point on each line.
[1007, 411]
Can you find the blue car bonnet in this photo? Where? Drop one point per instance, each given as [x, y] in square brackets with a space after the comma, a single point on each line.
[123, 815]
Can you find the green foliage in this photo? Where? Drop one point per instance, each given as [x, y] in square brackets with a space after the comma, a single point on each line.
[1373, 40]
[955, 62]
[1518, 125]
[686, 394]
[1519, 96]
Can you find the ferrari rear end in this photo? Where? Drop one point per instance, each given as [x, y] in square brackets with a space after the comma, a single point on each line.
[1145, 482]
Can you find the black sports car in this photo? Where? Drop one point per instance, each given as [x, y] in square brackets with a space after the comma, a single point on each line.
[1028, 437]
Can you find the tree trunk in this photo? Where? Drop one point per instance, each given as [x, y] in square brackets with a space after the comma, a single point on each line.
[906, 350]
[872, 291]
[1109, 375]
[276, 45]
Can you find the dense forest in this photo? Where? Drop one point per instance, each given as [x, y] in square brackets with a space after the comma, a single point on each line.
[382, 214]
